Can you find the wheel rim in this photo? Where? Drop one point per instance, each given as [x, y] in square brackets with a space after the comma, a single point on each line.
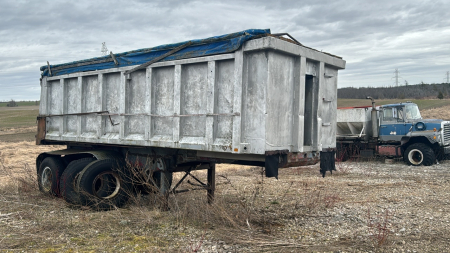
[46, 179]
[106, 185]
[415, 156]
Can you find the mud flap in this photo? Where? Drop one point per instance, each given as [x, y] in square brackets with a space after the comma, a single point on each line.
[327, 162]
[275, 160]
[272, 166]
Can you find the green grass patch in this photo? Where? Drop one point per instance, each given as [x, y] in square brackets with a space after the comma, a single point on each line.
[20, 103]
[14, 118]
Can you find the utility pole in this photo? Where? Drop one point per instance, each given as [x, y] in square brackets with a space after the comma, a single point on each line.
[104, 49]
[447, 77]
[396, 77]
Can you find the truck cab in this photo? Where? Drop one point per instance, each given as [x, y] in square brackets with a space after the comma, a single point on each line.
[396, 120]
[421, 140]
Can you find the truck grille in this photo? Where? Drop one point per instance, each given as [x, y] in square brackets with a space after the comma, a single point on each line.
[446, 133]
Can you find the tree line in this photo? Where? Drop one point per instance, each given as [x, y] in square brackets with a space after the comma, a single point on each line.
[416, 91]
[14, 103]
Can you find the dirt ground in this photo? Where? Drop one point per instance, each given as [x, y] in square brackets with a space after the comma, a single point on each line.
[365, 206]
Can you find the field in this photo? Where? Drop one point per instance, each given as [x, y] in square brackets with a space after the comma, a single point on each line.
[365, 206]
[20, 103]
[18, 123]
[423, 104]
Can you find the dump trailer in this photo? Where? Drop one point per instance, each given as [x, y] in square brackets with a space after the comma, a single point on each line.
[393, 130]
[134, 118]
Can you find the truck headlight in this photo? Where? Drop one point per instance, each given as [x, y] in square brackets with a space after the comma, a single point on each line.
[420, 126]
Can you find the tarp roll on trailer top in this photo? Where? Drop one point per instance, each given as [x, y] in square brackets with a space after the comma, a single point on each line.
[201, 47]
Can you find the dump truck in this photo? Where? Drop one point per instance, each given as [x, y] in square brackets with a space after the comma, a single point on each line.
[132, 119]
[391, 131]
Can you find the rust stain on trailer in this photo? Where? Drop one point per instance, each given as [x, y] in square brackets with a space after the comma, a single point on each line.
[40, 136]
[301, 159]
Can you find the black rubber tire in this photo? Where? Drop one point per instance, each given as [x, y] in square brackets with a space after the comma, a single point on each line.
[419, 154]
[104, 185]
[49, 173]
[165, 186]
[68, 180]
[142, 183]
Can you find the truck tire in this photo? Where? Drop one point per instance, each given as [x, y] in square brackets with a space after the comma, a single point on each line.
[68, 180]
[49, 172]
[104, 185]
[419, 154]
[163, 181]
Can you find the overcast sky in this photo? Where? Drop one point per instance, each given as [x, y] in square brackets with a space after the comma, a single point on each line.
[374, 37]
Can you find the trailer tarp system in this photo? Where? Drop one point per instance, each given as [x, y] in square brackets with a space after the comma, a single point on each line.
[201, 47]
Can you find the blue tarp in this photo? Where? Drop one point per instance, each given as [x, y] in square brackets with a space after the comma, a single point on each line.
[202, 47]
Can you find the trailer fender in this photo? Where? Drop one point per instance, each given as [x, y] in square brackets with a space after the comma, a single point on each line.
[407, 141]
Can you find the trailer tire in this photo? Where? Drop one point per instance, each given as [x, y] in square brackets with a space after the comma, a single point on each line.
[104, 185]
[49, 172]
[148, 179]
[419, 154]
[163, 181]
[69, 179]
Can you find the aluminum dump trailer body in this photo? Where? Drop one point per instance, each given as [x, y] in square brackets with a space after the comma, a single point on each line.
[268, 95]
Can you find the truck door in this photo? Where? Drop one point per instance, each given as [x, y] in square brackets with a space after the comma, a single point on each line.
[392, 127]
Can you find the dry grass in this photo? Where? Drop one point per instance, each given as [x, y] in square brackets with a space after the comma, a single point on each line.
[249, 210]
[299, 212]
[15, 156]
[436, 113]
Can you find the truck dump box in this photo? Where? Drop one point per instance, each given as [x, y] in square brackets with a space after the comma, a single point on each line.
[354, 123]
[239, 96]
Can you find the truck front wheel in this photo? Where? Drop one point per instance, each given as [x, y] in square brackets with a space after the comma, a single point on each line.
[419, 154]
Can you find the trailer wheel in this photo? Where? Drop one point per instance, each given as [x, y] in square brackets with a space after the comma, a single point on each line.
[104, 184]
[49, 173]
[68, 180]
[163, 181]
[149, 180]
[419, 154]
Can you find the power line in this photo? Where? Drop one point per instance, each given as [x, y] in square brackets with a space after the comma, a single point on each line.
[104, 49]
[396, 76]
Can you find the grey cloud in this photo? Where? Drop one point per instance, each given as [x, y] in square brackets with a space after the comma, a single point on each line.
[375, 37]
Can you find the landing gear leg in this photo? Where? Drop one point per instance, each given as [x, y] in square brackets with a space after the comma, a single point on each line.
[211, 186]
[327, 162]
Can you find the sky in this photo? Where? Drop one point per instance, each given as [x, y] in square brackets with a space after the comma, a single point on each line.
[374, 37]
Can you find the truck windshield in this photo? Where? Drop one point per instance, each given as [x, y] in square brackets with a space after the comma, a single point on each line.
[412, 112]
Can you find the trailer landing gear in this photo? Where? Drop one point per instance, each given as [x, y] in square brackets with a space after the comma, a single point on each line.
[327, 162]
[210, 186]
